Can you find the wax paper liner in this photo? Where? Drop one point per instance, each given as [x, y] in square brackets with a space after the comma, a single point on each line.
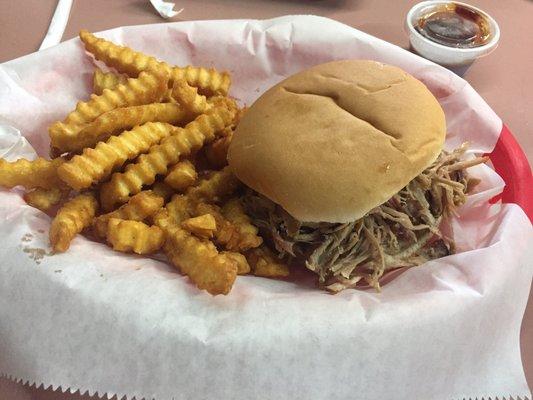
[107, 323]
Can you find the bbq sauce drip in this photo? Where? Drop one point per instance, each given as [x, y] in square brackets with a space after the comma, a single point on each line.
[454, 25]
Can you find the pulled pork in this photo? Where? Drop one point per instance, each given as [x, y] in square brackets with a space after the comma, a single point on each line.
[402, 232]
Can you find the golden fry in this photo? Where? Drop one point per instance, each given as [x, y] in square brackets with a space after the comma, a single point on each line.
[124, 121]
[128, 236]
[217, 152]
[227, 235]
[208, 81]
[225, 102]
[201, 208]
[188, 97]
[106, 80]
[93, 165]
[247, 237]
[202, 226]
[243, 267]
[140, 207]
[194, 203]
[264, 264]
[181, 176]
[130, 62]
[163, 190]
[120, 119]
[43, 199]
[198, 259]
[178, 209]
[71, 219]
[216, 187]
[182, 142]
[148, 88]
[38, 173]
[132, 131]
[197, 201]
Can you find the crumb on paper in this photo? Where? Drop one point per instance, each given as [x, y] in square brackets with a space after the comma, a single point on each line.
[40, 230]
[101, 275]
[137, 268]
[35, 253]
[58, 271]
[27, 237]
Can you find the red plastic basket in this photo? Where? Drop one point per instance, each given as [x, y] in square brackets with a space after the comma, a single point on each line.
[511, 164]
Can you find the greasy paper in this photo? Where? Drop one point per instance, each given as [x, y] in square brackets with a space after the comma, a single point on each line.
[108, 323]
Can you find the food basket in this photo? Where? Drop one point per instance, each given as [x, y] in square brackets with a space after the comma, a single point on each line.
[511, 164]
[103, 323]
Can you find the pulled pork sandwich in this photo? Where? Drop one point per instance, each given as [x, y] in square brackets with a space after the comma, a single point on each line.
[346, 173]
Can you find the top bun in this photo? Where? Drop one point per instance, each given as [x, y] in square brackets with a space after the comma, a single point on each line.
[332, 142]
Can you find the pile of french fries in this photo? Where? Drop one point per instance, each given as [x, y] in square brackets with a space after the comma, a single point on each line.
[142, 165]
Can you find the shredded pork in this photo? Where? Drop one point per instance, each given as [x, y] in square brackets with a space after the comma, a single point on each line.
[402, 232]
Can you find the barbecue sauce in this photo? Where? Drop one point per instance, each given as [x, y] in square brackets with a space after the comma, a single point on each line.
[454, 25]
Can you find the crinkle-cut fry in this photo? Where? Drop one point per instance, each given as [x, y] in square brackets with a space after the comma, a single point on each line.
[225, 102]
[71, 219]
[243, 267]
[162, 219]
[93, 165]
[149, 87]
[178, 209]
[201, 226]
[38, 173]
[209, 81]
[181, 176]
[227, 234]
[217, 152]
[265, 264]
[188, 97]
[216, 187]
[198, 259]
[233, 211]
[163, 190]
[120, 119]
[130, 62]
[140, 207]
[106, 80]
[44, 199]
[183, 142]
[134, 236]
[123, 59]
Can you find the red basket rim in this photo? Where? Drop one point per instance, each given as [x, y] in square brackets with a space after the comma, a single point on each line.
[511, 163]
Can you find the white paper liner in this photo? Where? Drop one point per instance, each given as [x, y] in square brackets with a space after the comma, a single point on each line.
[99, 321]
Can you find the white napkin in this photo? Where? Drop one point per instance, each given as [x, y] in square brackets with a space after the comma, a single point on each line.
[93, 319]
[61, 14]
[165, 8]
[57, 25]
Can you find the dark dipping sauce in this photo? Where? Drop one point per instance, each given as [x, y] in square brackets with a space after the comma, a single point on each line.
[454, 25]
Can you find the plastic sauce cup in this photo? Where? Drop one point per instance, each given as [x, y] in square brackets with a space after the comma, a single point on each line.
[452, 54]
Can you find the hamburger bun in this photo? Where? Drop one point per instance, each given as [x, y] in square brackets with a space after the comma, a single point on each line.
[334, 141]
